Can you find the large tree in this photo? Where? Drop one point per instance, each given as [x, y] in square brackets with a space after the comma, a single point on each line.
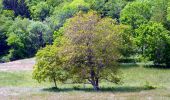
[94, 48]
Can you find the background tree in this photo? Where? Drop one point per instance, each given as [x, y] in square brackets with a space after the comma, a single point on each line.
[1, 6]
[168, 16]
[168, 11]
[5, 23]
[55, 3]
[17, 38]
[110, 8]
[25, 37]
[39, 34]
[136, 13]
[159, 10]
[153, 41]
[8, 14]
[18, 6]
[65, 11]
[40, 11]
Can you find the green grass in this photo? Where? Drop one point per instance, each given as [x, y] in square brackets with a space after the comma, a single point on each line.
[139, 75]
[138, 82]
[132, 76]
[19, 79]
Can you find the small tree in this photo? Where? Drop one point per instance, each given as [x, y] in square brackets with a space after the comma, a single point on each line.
[94, 48]
[49, 65]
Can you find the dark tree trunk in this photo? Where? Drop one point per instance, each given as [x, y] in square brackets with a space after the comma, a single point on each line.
[94, 80]
[96, 88]
[93, 75]
[55, 83]
[96, 85]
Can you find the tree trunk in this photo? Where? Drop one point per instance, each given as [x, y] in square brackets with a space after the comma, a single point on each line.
[55, 83]
[96, 88]
[96, 85]
[93, 79]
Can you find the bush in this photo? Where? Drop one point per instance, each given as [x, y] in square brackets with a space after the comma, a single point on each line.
[149, 86]
[76, 87]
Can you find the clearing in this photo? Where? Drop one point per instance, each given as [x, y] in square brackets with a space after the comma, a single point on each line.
[16, 83]
[26, 64]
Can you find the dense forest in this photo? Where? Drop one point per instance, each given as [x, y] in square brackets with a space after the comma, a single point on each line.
[28, 25]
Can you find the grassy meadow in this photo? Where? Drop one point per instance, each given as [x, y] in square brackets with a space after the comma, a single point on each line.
[138, 82]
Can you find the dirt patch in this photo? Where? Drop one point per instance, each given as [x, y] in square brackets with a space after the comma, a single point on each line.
[19, 65]
[15, 93]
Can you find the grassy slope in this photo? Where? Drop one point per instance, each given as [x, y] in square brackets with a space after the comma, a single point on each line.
[134, 78]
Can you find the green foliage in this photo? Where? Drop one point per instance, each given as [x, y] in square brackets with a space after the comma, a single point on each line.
[168, 12]
[77, 3]
[127, 41]
[8, 13]
[17, 34]
[40, 11]
[110, 8]
[19, 7]
[153, 41]
[136, 13]
[76, 87]
[65, 11]
[25, 37]
[159, 10]
[149, 86]
[94, 48]
[54, 3]
[49, 65]
[39, 34]
[5, 23]
[28, 25]
[1, 6]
